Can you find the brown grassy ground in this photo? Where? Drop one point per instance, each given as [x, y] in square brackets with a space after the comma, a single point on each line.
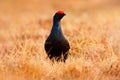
[91, 26]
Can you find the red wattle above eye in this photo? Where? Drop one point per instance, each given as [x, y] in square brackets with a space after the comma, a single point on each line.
[60, 12]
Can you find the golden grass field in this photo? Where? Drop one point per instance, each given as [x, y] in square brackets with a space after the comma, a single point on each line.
[91, 26]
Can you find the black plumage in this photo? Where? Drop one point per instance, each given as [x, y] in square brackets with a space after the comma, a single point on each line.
[56, 45]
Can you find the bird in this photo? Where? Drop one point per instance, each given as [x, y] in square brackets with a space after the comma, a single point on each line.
[56, 45]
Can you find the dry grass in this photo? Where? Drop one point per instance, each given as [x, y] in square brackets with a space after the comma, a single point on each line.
[91, 26]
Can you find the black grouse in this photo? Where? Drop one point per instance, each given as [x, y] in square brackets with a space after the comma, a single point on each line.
[56, 45]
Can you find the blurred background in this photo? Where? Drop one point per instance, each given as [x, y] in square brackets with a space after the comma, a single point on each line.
[16, 15]
[23, 11]
[19, 15]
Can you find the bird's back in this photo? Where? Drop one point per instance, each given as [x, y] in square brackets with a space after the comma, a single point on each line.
[60, 42]
[56, 47]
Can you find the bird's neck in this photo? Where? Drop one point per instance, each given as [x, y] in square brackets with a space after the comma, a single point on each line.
[56, 24]
[56, 27]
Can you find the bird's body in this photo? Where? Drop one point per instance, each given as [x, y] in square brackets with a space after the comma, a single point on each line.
[57, 45]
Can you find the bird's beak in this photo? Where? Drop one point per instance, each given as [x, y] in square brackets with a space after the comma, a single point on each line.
[64, 14]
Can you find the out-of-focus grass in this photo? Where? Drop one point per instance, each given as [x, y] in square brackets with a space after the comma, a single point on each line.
[91, 26]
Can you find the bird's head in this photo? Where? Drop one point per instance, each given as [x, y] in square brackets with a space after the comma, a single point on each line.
[59, 15]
